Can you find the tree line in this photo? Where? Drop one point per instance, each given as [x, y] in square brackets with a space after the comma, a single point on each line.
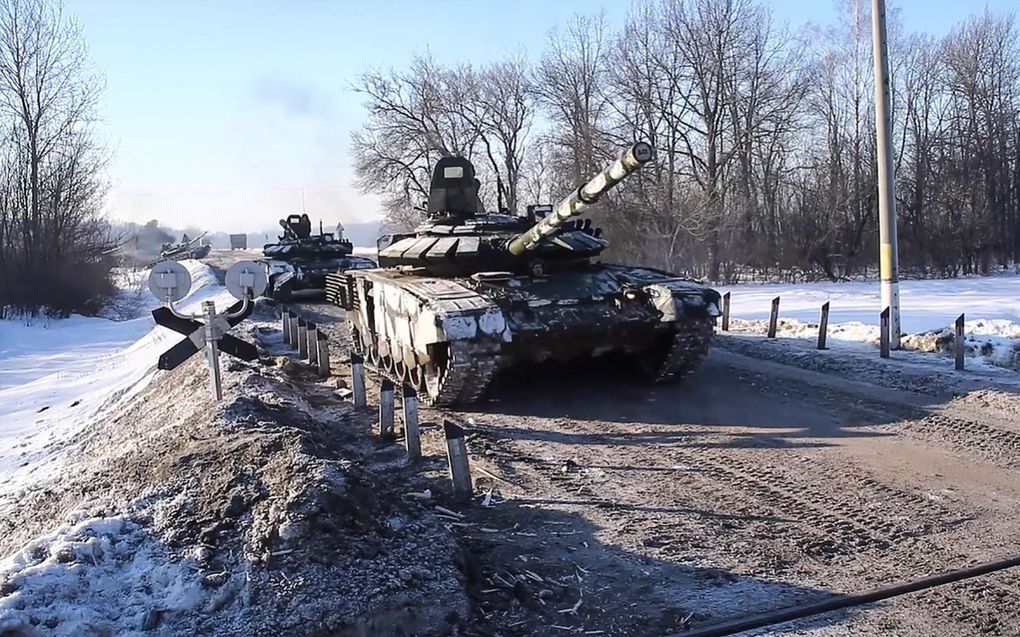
[765, 137]
[56, 251]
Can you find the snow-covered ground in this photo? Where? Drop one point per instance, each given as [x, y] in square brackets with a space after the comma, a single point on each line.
[96, 575]
[93, 571]
[57, 376]
[928, 310]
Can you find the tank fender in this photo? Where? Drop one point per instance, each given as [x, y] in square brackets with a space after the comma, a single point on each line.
[678, 302]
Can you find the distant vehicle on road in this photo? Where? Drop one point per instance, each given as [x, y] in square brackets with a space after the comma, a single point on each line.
[300, 260]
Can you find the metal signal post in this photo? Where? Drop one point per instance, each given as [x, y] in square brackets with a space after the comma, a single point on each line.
[888, 254]
[170, 282]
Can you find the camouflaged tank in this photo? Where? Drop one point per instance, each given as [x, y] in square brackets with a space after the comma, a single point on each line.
[469, 293]
[300, 261]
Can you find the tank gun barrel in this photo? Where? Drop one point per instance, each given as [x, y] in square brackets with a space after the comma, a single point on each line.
[578, 201]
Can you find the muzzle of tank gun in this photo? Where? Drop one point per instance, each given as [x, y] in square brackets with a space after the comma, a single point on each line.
[578, 201]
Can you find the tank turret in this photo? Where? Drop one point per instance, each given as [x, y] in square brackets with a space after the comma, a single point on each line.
[459, 237]
[578, 201]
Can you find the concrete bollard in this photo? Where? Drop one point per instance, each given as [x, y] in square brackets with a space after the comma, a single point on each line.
[823, 326]
[322, 355]
[774, 318]
[412, 435]
[285, 317]
[959, 344]
[358, 380]
[726, 312]
[460, 469]
[313, 344]
[302, 339]
[386, 408]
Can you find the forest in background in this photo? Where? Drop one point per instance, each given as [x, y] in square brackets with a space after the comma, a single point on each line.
[56, 249]
[765, 137]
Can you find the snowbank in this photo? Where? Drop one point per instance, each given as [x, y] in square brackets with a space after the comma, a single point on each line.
[929, 309]
[57, 376]
[94, 576]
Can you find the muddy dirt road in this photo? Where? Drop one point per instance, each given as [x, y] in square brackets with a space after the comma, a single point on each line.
[619, 509]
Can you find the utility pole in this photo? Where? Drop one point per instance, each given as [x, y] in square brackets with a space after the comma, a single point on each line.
[889, 267]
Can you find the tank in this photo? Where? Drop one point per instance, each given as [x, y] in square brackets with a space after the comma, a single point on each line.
[186, 249]
[300, 260]
[470, 293]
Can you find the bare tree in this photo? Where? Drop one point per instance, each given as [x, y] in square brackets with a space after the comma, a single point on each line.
[54, 235]
[764, 138]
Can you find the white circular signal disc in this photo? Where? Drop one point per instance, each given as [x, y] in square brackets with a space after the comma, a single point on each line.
[169, 281]
[246, 278]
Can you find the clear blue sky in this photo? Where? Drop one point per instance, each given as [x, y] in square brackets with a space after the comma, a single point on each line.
[220, 112]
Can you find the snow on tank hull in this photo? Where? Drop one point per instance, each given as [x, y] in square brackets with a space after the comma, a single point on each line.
[447, 337]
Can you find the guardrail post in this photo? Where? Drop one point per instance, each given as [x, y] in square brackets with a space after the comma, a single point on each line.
[312, 344]
[726, 312]
[358, 380]
[386, 409]
[322, 354]
[960, 347]
[883, 337]
[774, 318]
[285, 316]
[302, 338]
[412, 436]
[823, 326]
[293, 330]
[460, 469]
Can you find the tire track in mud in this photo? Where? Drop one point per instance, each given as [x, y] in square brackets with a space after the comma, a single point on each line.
[841, 528]
[991, 606]
[862, 518]
[999, 446]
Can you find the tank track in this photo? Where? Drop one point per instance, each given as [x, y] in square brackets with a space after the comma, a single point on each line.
[691, 339]
[469, 369]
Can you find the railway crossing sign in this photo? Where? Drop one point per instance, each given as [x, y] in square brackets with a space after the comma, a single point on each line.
[170, 282]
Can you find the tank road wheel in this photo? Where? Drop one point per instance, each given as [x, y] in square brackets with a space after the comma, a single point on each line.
[416, 377]
[372, 354]
[680, 353]
[400, 369]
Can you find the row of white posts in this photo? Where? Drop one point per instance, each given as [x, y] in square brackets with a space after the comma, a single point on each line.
[313, 346]
[959, 346]
[456, 445]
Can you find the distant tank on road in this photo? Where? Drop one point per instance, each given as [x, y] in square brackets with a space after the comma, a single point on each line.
[300, 260]
[186, 249]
